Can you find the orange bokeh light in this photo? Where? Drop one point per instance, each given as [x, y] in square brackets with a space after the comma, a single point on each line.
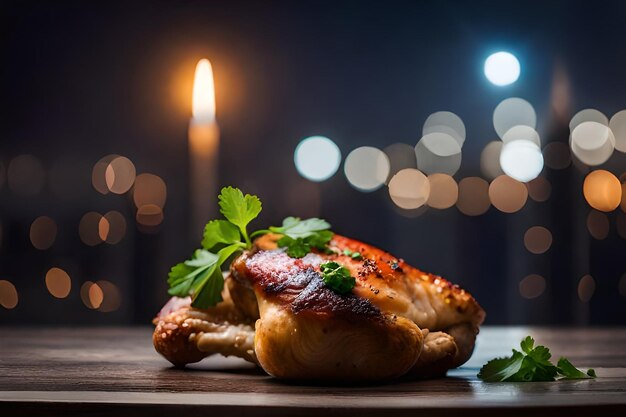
[602, 190]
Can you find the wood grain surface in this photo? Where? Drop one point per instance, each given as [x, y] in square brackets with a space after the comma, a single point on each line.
[115, 371]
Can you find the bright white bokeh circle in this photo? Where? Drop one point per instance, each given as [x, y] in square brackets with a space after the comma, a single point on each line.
[521, 132]
[588, 115]
[502, 68]
[513, 112]
[317, 158]
[445, 122]
[438, 153]
[592, 143]
[521, 160]
[367, 168]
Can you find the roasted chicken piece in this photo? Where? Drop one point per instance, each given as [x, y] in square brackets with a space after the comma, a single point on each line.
[184, 334]
[397, 320]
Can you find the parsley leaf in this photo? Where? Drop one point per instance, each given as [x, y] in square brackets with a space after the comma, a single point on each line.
[201, 276]
[183, 275]
[296, 228]
[298, 248]
[239, 209]
[295, 248]
[219, 231]
[337, 277]
[501, 369]
[532, 364]
[569, 371]
[354, 255]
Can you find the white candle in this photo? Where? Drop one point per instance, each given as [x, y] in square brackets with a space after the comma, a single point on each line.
[203, 149]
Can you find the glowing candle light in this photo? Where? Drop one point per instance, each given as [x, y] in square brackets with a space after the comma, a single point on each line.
[203, 147]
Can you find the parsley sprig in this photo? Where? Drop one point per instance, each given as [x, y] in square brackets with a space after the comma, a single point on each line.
[201, 276]
[337, 277]
[531, 364]
[301, 236]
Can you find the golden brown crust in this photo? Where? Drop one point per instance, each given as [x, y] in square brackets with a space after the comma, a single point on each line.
[386, 281]
[308, 347]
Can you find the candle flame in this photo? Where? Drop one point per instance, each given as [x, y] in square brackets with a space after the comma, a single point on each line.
[203, 102]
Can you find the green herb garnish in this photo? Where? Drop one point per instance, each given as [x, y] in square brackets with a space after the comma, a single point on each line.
[201, 276]
[301, 236]
[353, 255]
[337, 277]
[531, 364]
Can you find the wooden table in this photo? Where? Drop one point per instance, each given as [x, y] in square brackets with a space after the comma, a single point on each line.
[115, 371]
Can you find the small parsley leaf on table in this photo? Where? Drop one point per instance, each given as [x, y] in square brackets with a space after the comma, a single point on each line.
[569, 371]
[531, 364]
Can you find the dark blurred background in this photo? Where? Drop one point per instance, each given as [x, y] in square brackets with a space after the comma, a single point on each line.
[85, 80]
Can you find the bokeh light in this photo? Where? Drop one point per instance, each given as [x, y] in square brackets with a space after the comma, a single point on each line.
[90, 228]
[557, 155]
[91, 294]
[602, 190]
[513, 112]
[43, 232]
[26, 175]
[490, 160]
[367, 168]
[119, 175]
[103, 228]
[111, 297]
[473, 196]
[618, 127]
[112, 227]
[532, 286]
[445, 122]
[521, 160]
[537, 240]
[317, 158]
[502, 68]
[149, 189]
[8, 295]
[598, 224]
[588, 115]
[444, 191]
[409, 189]
[58, 282]
[98, 174]
[593, 143]
[507, 194]
[438, 153]
[149, 215]
[539, 189]
[401, 156]
[521, 132]
[586, 288]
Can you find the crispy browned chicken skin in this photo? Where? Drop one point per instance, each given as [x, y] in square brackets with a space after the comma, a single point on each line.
[397, 320]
